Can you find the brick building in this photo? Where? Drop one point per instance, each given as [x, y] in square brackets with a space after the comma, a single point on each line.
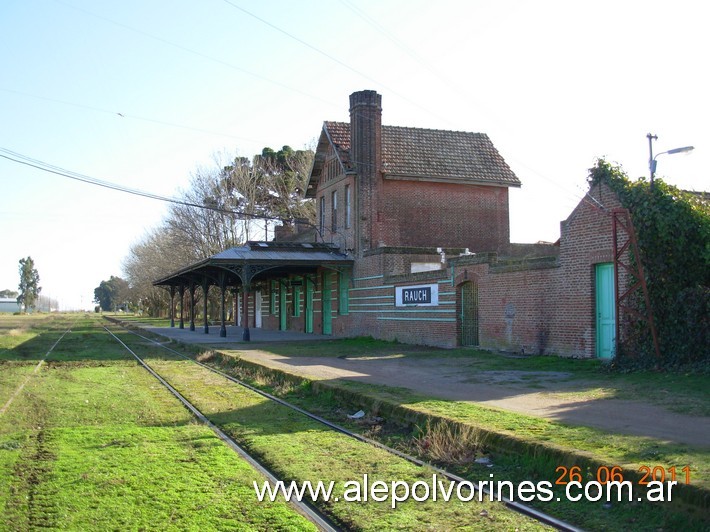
[416, 223]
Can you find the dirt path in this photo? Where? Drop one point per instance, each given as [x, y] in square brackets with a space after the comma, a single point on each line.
[509, 390]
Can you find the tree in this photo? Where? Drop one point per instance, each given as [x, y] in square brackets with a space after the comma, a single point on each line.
[241, 197]
[111, 294]
[286, 174]
[229, 204]
[159, 253]
[9, 293]
[29, 284]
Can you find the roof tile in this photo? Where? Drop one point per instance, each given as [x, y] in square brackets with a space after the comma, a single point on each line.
[432, 154]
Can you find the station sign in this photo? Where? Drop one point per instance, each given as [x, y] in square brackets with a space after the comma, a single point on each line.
[424, 295]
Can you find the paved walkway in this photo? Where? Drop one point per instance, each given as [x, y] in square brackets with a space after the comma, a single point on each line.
[234, 335]
[542, 394]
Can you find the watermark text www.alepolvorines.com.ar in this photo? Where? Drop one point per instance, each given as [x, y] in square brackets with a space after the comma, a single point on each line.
[442, 489]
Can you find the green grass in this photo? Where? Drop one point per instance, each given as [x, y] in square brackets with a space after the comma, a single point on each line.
[93, 443]
[608, 449]
[296, 447]
[20, 336]
[146, 320]
[12, 376]
[604, 446]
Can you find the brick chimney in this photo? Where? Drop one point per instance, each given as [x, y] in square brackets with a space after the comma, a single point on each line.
[366, 154]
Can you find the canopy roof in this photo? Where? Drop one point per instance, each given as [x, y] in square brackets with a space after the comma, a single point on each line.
[257, 261]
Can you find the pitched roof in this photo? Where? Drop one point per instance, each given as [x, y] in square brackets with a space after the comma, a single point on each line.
[431, 154]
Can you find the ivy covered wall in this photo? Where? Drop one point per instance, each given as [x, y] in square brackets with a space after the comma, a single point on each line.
[673, 231]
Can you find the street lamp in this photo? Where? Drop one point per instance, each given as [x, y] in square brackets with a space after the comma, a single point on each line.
[652, 159]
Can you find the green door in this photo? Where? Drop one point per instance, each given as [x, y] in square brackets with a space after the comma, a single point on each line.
[308, 304]
[606, 310]
[327, 304]
[469, 314]
[282, 306]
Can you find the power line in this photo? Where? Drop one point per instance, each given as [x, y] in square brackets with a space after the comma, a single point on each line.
[447, 82]
[334, 59]
[195, 52]
[361, 13]
[52, 169]
[392, 38]
[127, 115]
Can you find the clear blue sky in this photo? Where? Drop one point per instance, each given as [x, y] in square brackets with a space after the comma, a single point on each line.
[554, 84]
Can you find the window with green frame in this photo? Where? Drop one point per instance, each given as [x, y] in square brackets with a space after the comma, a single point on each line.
[296, 296]
[272, 297]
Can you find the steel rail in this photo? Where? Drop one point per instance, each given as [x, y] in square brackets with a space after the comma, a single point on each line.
[513, 505]
[309, 512]
[34, 372]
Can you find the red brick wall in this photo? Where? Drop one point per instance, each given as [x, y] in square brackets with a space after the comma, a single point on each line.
[420, 213]
[514, 312]
[525, 305]
[531, 305]
[344, 236]
[586, 239]
[551, 309]
[424, 214]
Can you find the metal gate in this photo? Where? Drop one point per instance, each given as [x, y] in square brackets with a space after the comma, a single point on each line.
[469, 314]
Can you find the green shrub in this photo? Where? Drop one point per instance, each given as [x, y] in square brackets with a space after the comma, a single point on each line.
[673, 231]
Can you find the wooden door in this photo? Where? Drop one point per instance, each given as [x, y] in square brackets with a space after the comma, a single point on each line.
[605, 310]
[469, 314]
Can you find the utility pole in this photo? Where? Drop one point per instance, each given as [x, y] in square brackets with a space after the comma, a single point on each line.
[651, 165]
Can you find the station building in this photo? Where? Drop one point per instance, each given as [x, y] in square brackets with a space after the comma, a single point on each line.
[412, 244]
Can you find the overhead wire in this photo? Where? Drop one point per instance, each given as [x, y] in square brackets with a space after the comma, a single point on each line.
[47, 167]
[122, 114]
[330, 57]
[389, 35]
[334, 59]
[195, 52]
[446, 82]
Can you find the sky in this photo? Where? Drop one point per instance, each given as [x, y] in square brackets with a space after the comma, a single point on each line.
[144, 93]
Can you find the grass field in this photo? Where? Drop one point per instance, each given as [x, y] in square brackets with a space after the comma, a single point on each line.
[94, 443]
[532, 465]
[296, 448]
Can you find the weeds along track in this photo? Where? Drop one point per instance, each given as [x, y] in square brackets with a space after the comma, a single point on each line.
[307, 511]
[515, 506]
[39, 365]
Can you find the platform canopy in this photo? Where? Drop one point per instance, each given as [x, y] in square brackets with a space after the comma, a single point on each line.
[241, 266]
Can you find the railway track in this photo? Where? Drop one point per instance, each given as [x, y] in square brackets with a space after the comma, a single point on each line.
[39, 365]
[309, 512]
[515, 506]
